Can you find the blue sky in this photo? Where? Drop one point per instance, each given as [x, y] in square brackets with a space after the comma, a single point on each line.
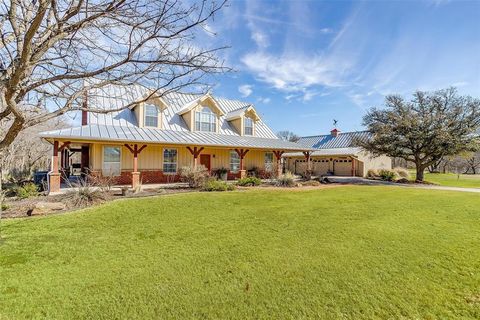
[304, 63]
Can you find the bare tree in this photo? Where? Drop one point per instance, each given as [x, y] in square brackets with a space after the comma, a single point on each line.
[426, 129]
[288, 136]
[472, 163]
[28, 152]
[53, 51]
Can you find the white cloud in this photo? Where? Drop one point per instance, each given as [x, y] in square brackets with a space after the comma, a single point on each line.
[293, 73]
[260, 38]
[245, 90]
[209, 30]
[264, 100]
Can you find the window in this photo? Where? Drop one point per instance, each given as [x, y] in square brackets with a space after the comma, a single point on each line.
[151, 116]
[205, 120]
[111, 161]
[234, 161]
[268, 161]
[169, 160]
[248, 124]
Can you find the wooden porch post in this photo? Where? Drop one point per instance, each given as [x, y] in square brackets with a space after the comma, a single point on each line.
[135, 150]
[308, 169]
[278, 154]
[195, 152]
[242, 153]
[54, 178]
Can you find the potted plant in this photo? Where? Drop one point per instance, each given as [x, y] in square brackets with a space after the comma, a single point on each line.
[222, 173]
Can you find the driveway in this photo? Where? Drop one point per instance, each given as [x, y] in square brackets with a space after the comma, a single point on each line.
[364, 181]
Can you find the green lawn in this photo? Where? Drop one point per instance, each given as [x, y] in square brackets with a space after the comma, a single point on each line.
[338, 253]
[453, 180]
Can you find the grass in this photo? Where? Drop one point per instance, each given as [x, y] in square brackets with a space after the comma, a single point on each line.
[454, 180]
[336, 253]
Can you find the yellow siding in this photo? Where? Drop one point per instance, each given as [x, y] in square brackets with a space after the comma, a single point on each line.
[151, 158]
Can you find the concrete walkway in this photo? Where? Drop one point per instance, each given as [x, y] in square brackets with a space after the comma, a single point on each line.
[363, 181]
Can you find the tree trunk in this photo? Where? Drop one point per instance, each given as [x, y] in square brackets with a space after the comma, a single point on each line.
[419, 175]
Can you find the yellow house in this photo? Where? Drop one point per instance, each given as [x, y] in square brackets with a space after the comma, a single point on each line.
[149, 142]
[336, 154]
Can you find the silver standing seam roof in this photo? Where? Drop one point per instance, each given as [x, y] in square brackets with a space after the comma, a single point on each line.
[122, 126]
[343, 144]
[148, 135]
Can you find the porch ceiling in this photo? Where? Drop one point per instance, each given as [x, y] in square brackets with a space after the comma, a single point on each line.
[95, 132]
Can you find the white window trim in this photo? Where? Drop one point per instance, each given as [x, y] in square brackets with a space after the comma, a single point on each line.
[230, 161]
[119, 162]
[145, 116]
[215, 117]
[245, 126]
[271, 169]
[163, 161]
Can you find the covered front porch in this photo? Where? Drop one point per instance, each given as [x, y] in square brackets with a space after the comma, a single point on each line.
[135, 164]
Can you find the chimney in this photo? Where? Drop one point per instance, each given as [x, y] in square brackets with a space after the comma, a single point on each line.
[335, 132]
[84, 111]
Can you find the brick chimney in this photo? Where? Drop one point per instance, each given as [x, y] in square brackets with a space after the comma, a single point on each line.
[335, 132]
[84, 111]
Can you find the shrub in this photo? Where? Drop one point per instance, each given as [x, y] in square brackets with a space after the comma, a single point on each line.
[387, 175]
[285, 180]
[103, 182]
[217, 185]
[402, 173]
[372, 173]
[254, 172]
[249, 182]
[26, 191]
[83, 194]
[195, 177]
[221, 173]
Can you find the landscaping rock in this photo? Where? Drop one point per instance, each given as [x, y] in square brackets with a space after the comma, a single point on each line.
[41, 208]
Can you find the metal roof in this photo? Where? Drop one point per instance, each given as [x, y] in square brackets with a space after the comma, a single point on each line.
[328, 141]
[114, 97]
[150, 135]
[328, 152]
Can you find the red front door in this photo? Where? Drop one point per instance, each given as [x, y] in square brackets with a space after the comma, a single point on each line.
[205, 161]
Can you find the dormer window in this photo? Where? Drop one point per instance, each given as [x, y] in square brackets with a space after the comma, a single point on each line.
[151, 116]
[205, 120]
[248, 127]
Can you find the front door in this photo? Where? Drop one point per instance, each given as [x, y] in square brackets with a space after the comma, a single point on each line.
[205, 161]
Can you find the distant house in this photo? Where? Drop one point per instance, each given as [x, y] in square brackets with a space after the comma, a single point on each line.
[335, 154]
[150, 141]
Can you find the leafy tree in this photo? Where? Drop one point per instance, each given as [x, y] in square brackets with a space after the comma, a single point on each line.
[53, 52]
[430, 126]
[288, 136]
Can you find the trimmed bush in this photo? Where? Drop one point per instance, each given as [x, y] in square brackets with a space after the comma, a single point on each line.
[249, 182]
[195, 177]
[402, 173]
[387, 175]
[285, 180]
[217, 185]
[26, 191]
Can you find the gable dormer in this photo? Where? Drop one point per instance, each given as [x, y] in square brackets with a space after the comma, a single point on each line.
[244, 120]
[202, 114]
[149, 113]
